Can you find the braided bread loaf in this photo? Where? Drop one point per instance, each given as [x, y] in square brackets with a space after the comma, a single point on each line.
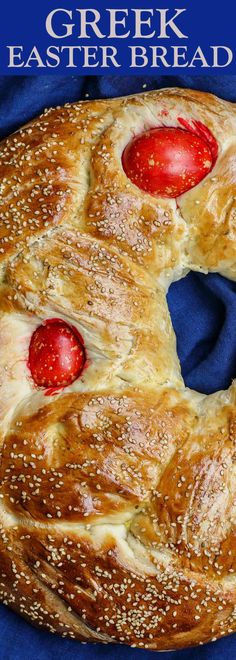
[118, 488]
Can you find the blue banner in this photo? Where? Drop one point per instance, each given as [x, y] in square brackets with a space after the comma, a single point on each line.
[102, 38]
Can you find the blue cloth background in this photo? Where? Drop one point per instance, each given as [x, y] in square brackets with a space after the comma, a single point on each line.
[203, 310]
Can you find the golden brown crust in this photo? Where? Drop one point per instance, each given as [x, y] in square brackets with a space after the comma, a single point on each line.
[117, 500]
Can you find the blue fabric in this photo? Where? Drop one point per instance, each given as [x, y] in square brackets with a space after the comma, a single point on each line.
[203, 310]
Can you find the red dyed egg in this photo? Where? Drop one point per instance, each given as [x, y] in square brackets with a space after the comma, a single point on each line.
[167, 161]
[56, 354]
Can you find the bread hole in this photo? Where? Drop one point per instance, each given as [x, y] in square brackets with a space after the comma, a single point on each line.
[203, 309]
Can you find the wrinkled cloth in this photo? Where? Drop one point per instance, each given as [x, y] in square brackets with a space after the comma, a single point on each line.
[203, 312]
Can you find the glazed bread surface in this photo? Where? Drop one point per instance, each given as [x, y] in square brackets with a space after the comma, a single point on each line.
[118, 491]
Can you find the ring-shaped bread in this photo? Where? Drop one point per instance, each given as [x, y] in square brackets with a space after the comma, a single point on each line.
[118, 485]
